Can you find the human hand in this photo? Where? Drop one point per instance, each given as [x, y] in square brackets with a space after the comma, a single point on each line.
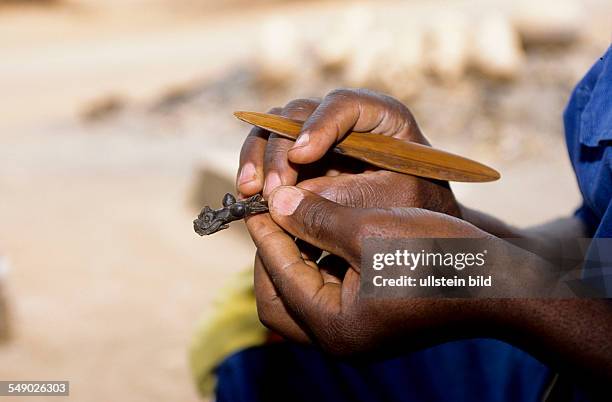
[308, 301]
[320, 302]
[268, 161]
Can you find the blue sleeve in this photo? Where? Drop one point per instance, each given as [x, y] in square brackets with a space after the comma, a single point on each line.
[588, 131]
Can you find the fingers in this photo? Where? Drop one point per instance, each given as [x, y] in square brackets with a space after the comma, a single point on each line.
[277, 169]
[340, 230]
[299, 283]
[318, 221]
[266, 160]
[250, 178]
[271, 309]
[263, 157]
[345, 110]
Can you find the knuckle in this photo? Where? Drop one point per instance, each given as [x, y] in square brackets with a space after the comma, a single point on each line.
[248, 145]
[275, 154]
[299, 108]
[277, 146]
[342, 92]
[342, 95]
[275, 110]
[370, 94]
[254, 144]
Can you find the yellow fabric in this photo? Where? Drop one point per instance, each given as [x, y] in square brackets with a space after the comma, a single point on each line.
[235, 326]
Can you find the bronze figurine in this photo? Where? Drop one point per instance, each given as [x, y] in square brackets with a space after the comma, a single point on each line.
[210, 221]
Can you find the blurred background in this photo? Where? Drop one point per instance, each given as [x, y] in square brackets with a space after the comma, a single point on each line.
[116, 126]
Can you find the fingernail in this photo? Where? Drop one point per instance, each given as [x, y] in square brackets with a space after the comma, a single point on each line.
[247, 174]
[272, 181]
[285, 200]
[301, 141]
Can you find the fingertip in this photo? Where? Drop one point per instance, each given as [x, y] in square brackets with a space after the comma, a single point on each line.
[250, 188]
[273, 180]
[249, 180]
[305, 154]
[302, 140]
[285, 200]
[247, 173]
[311, 149]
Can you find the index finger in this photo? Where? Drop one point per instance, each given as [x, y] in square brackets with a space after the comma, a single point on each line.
[250, 177]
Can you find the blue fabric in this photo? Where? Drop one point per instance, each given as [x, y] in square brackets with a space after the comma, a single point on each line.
[588, 133]
[470, 370]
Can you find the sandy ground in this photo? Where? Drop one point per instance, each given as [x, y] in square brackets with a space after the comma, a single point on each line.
[108, 280]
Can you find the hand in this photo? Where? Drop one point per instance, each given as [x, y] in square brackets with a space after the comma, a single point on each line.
[268, 161]
[320, 303]
[308, 302]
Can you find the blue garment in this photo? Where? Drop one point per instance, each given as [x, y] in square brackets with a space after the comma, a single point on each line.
[588, 132]
[467, 370]
[470, 370]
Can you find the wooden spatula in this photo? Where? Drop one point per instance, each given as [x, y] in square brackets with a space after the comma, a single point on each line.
[386, 152]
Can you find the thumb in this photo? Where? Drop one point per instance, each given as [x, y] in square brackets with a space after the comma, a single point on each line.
[318, 221]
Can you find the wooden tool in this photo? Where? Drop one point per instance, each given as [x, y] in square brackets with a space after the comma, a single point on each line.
[386, 152]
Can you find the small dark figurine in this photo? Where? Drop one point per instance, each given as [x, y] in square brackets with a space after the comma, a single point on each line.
[210, 221]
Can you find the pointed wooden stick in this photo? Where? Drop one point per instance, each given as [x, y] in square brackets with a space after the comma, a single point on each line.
[386, 152]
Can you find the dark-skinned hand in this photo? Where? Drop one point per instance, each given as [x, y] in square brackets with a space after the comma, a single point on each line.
[268, 160]
[306, 301]
[311, 302]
